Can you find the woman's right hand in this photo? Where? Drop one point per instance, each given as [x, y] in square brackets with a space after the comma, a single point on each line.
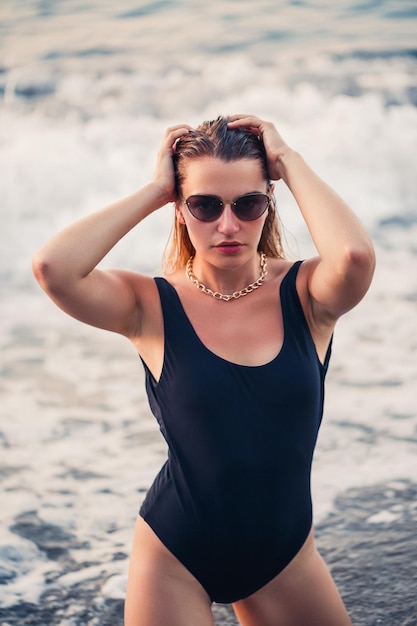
[164, 176]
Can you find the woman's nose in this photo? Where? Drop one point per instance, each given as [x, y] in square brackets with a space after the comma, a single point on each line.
[228, 222]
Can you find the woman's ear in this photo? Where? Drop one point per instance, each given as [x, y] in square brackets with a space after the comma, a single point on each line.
[179, 214]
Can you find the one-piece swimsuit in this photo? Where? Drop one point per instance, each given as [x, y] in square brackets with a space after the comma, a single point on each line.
[233, 500]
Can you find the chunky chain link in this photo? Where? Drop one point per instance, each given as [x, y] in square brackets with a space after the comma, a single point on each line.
[226, 297]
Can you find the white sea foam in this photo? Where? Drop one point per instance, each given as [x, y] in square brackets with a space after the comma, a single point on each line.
[54, 172]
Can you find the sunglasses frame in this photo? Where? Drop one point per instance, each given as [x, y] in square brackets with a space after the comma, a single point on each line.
[222, 205]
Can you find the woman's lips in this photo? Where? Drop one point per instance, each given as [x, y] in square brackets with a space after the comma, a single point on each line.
[229, 247]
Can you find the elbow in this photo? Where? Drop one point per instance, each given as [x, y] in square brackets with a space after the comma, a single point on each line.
[44, 273]
[363, 256]
[360, 260]
[40, 269]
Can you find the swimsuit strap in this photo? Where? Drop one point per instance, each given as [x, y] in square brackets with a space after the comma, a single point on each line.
[295, 322]
[176, 323]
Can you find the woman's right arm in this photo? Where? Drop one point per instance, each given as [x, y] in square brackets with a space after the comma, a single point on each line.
[65, 266]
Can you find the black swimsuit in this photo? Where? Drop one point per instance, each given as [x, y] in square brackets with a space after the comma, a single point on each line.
[233, 501]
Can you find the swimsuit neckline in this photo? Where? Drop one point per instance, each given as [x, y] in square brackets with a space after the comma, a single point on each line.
[224, 360]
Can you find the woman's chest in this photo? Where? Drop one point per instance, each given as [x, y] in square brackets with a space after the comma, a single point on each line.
[246, 333]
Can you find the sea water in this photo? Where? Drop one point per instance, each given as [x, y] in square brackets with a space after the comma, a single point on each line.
[87, 89]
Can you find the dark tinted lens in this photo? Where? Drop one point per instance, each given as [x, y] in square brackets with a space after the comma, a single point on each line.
[251, 206]
[205, 208]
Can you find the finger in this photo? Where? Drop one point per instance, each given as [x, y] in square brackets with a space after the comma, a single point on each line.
[173, 134]
[249, 122]
[243, 120]
[178, 127]
[177, 131]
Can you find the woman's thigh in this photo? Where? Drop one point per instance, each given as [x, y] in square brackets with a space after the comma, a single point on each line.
[160, 590]
[304, 594]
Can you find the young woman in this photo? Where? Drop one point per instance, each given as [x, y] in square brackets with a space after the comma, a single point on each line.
[235, 342]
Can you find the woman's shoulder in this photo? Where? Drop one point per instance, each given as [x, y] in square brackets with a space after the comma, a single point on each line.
[279, 268]
[301, 271]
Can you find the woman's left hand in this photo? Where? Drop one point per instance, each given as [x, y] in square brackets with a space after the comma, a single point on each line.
[275, 146]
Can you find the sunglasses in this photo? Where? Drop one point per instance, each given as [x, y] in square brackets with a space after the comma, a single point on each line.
[209, 208]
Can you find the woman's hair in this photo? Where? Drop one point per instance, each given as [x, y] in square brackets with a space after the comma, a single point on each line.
[216, 139]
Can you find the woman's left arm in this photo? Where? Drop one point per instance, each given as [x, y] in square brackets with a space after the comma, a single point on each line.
[339, 278]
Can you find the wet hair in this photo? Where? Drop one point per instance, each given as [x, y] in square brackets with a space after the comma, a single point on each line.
[216, 139]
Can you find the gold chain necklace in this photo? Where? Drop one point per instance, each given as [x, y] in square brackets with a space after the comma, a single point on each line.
[226, 297]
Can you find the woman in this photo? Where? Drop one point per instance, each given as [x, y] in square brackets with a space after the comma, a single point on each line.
[235, 343]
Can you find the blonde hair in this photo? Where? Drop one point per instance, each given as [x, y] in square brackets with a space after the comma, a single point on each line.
[216, 139]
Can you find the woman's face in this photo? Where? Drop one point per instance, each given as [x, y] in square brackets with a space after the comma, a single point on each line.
[228, 239]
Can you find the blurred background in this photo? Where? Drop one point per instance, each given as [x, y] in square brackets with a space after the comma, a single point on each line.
[87, 88]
